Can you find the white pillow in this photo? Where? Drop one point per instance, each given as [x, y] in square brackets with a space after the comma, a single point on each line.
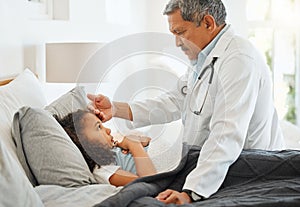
[291, 134]
[24, 90]
[15, 188]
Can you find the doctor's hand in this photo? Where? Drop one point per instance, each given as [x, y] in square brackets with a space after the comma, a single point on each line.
[173, 196]
[101, 106]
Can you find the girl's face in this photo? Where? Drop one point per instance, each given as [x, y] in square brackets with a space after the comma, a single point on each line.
[95, 132]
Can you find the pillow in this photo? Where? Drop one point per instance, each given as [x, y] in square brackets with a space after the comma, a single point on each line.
[69, 102]
[24, 90]
[291, 134]
[46, 152]
[15, 188]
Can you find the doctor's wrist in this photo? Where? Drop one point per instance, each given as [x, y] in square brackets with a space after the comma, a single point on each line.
[121, 110]
[193, 196]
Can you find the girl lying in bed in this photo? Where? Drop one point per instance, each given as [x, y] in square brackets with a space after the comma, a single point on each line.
[111, 161]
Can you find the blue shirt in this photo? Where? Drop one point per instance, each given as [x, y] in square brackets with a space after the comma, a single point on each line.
[125, 161]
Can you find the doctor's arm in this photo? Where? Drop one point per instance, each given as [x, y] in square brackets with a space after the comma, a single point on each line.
[158, 110]
[164, 108]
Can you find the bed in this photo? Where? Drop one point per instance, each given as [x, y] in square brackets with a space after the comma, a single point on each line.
[72, 184]
[56, 175]
[257, 178]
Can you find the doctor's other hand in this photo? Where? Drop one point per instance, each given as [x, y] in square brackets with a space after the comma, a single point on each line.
[101, 106]
[173, 196]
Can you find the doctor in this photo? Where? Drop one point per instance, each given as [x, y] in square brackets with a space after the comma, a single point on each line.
[226, 102]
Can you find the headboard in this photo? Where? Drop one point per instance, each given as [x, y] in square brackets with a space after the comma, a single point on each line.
[6, 81]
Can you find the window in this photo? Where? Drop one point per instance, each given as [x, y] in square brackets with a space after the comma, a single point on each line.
[49, 9]
[274, 27]
[40, 9]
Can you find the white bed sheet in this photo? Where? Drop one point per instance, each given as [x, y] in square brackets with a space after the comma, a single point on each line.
[85, 196]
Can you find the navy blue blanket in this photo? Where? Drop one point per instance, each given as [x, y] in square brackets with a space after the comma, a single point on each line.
[257, 178]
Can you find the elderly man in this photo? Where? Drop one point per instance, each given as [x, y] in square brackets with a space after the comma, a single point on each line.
[227, 105]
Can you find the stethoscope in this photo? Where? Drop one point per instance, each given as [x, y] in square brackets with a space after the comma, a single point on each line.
[184, 88]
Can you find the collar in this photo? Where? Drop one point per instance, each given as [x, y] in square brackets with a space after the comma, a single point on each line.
[223, 42]
[202, 56]
[213, 43]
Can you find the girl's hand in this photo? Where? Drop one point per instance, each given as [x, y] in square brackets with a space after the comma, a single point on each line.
[125, 151]
[131, 137]
[127, 143]
[144, 140]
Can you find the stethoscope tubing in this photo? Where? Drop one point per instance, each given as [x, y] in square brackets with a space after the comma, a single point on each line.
[211, 67]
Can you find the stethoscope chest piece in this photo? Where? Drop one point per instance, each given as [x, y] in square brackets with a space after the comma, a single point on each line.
[184, 90]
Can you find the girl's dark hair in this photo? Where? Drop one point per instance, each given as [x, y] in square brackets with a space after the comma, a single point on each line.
[93, 154]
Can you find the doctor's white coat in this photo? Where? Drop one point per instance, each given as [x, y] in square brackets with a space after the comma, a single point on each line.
[238, 112]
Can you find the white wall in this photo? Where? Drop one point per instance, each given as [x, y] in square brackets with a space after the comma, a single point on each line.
[11, 29]
[21, 37]
[89, 21]
[236, 15]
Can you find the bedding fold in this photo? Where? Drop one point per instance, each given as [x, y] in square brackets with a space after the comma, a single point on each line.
[257, 178]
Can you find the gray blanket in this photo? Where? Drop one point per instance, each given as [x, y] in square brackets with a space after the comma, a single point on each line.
[257, 178]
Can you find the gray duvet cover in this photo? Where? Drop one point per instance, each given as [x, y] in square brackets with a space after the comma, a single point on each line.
[257, 178]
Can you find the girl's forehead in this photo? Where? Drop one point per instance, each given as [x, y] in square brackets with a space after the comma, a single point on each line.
[90, 117]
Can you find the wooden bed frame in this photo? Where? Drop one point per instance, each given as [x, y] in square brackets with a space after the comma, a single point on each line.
[8, 80]
[4, 82]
